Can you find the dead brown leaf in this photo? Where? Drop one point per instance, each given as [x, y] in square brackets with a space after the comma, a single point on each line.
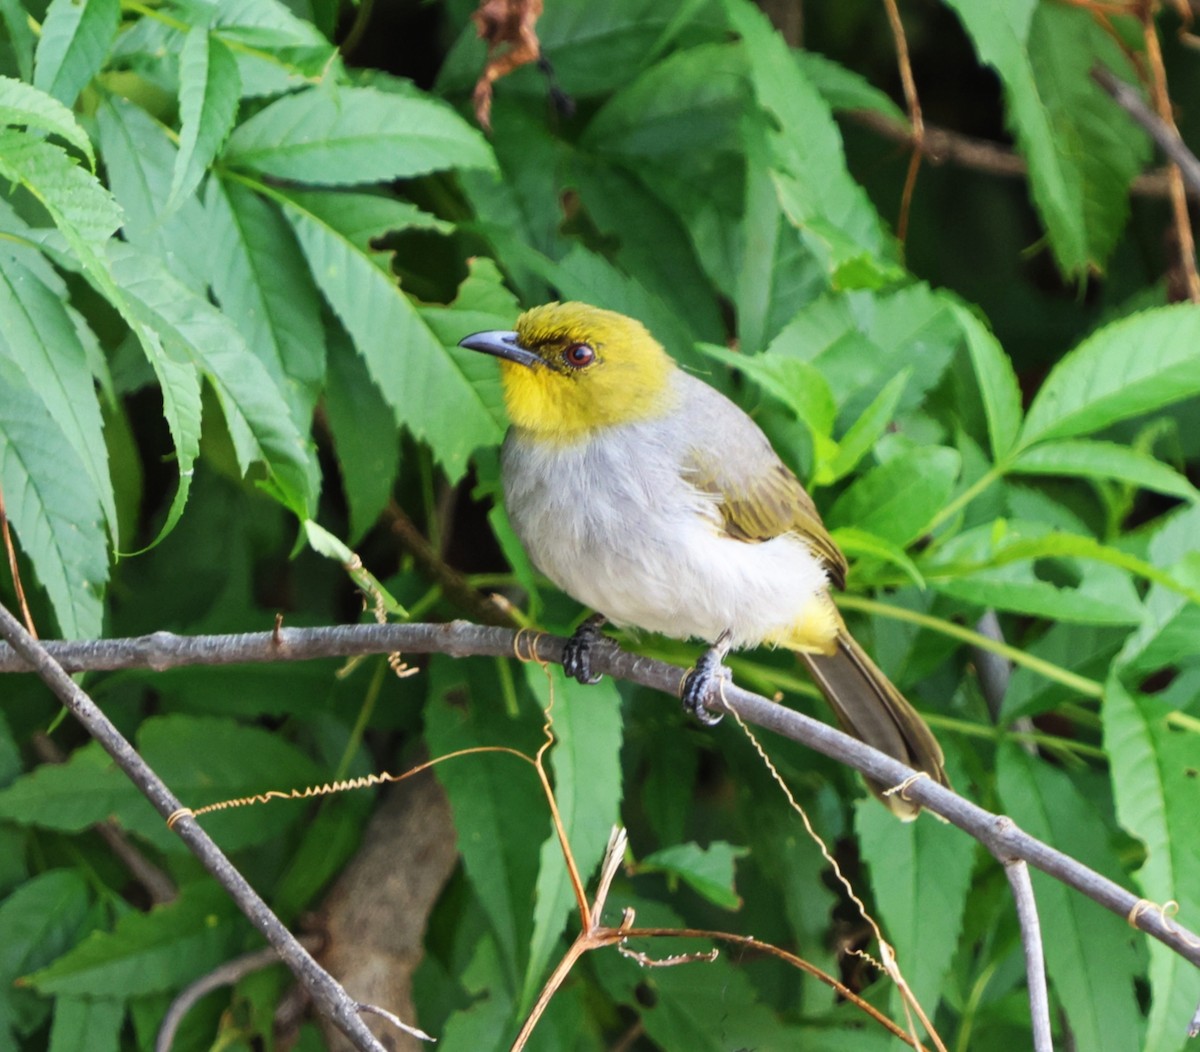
[501, 22]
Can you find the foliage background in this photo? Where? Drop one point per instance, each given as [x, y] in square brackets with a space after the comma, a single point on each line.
[233, 267]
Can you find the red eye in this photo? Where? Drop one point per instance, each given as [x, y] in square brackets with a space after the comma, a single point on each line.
[579, 355]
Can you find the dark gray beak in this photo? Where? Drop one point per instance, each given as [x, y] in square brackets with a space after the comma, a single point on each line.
[502, 344]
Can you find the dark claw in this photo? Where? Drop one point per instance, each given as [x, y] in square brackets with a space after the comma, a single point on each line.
[704, 682]
[577, 654]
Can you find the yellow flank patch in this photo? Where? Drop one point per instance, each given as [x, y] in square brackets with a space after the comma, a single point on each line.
[815, 631]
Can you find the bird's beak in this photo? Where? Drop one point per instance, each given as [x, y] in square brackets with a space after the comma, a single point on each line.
[502, 344]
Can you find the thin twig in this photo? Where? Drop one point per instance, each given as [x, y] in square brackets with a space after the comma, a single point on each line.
[158, 886]
[993, 670]
[1031, 941]
[1162, 104]
[461, 639]
[595, 936]
[455, 586]
[224, 975]
[13, 569]
[913, 102]
[942, 146]
[1164, 135]
[325, 990]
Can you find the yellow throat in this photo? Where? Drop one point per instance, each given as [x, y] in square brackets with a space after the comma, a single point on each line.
[587, 369]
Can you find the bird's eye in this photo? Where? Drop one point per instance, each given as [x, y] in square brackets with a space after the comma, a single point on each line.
[578, 355]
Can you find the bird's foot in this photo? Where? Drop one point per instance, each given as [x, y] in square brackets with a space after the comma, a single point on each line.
[705, 682]
[577, 654]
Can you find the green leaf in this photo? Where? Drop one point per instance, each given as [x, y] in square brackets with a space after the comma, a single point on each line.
[1089, 954]
[797, 384]
[481, 1026]
[1136, 365]
[209, 88]
[86, 215]
[209, 759]
[139, 160]
[588, 276]
[405, 359]
[1168, 631]
[149, 952]
[648, 239]
[40, 920]
[257, 415]
[975, 566]
[74, 44]
[894, 500]
[997, 381]
[808, 164]
[1104, 460]
[20, 36]
[1059, 543]
[1082, 150]
[586, 759]
[844, 89]
[327, 544]
[867, 429]
[1158, 802]
[600, 48]
[25, 105]
[499, 808]
[179, 383]
[86, 1024]
[364, 218]
[1085, 650]
[690, 103]
[860, 341]
[79, 206]
[856, 543]
[40, 338]
[708, 870]
[1098, 146]
[364, 433]
[920, 876]
[700, 1006]
[772, 268]
[259, 278]
[52, 505]
[330, 839]
[340, 136]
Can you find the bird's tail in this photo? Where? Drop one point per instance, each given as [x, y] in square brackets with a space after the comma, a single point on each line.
[869, 708]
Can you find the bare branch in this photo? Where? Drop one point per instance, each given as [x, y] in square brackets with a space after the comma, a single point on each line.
[942, 146]
[455, 587]
[1166, 137]
[325, 991]
[1031, 941]
[225, 975]
[164, 650]
[156, 883]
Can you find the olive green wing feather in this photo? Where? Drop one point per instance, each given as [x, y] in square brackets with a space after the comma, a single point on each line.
[758, 497]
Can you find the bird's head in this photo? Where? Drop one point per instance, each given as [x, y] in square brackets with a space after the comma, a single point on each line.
[570, 369]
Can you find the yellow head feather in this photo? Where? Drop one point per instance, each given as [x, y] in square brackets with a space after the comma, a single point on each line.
[628, 378]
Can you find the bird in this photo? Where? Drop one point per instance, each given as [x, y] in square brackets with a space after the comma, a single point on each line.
[648, 496]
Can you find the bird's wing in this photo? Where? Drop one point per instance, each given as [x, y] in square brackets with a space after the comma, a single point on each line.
[757, 496]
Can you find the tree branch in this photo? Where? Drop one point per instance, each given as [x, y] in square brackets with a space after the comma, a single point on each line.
[941, 146]
[1000, 835]
[224, 975]
[1017, 873]
[326, 992]
[1165, 136]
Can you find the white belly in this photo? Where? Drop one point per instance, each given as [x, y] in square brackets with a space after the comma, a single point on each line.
[614, 525]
